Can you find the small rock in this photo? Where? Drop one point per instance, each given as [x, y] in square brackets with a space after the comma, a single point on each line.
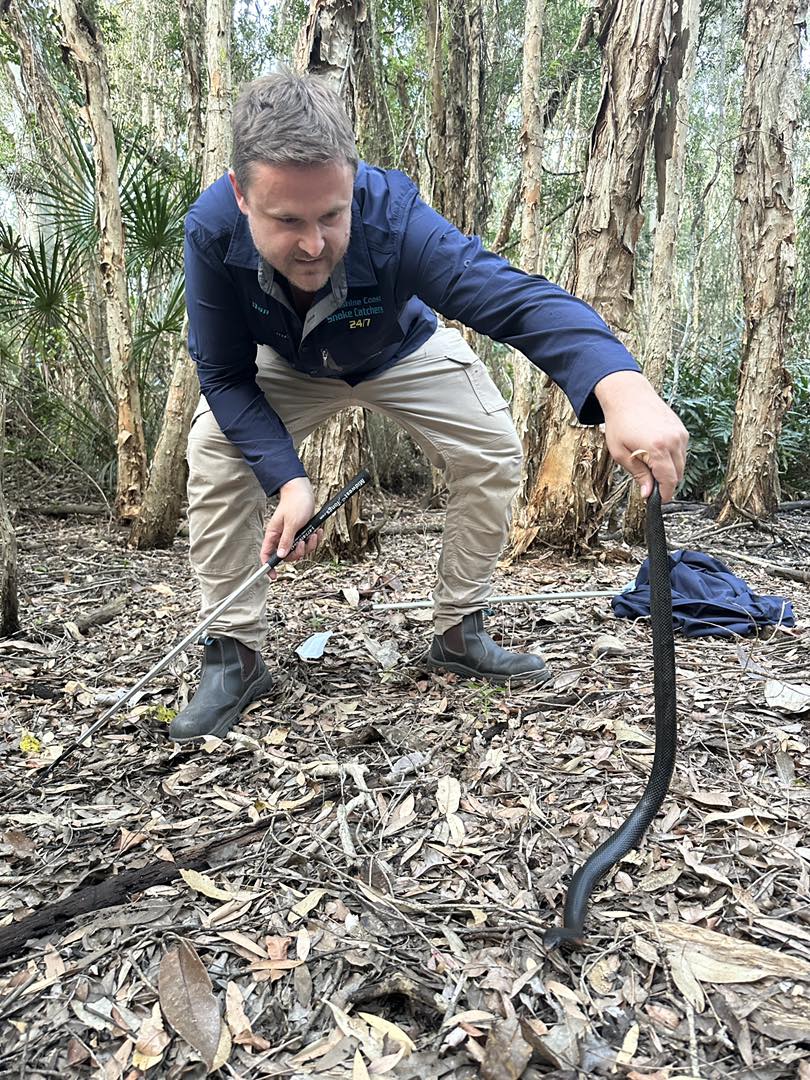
[608, 645]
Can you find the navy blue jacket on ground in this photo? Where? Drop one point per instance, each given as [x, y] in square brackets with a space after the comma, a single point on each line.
[707, 599]
[403, 260]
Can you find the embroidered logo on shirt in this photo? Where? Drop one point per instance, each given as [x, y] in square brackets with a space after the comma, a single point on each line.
[358, 311]
[259, 308]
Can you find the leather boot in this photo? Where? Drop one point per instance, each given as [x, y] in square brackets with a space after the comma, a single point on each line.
[467, 649]
[232, 676]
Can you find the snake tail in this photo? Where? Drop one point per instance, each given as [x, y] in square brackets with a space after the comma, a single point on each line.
[630, 834]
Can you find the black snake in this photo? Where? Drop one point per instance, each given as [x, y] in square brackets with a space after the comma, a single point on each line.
[631, 832]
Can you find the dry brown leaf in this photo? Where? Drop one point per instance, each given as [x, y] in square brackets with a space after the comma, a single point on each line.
[77, 1052]
[276, 947]
[448, 795]
[507, 1053]
[382, 1065]
[129, 840]
[224, 1048]
[629, 1046]
[20, 844]
[789, 697]
[188, 1002]
[469, 1016]
[54, 964]
[385, 1027]
[720, 799]
[717, 958]
[152, 1040]
[684, 979]
[235, 1015]
[246, 944]
[601, 975]
[113, 1067]
[201, 883]
[662, 1016]
[303, 943]
[660, 879]
[401, 817]
[359, 1070]
[303, 907]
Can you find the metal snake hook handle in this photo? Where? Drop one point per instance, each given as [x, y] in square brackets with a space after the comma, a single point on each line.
[630, 834]
[314, 523]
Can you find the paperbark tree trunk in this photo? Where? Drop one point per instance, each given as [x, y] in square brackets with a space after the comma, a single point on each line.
[457, 183]
[9, 620]
[572, 479]
[766, 231]
[192, 15]
[669, 140]
[84, 41]
[156, 526]
[332, 454]
[530, 386]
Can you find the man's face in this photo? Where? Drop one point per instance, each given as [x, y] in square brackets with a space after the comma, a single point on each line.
[300, 218]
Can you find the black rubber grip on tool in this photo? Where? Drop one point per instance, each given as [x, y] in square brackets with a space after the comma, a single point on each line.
[325, 512]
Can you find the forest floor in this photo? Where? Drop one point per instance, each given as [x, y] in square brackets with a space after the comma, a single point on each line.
[413, 834]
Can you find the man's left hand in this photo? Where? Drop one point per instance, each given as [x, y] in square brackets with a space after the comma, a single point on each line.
[643, 434]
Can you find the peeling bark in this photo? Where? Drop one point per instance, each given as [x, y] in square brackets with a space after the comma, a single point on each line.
[332, 454]
[766, 233]
[9, 620]
[84, 41]
[572, 479]
[669, 139]
[530, 386]
[156, 526]
[191, 19]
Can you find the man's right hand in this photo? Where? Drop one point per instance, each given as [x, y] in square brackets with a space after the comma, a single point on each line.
[296, 505]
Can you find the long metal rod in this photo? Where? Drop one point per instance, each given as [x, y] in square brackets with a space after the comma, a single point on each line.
[303, 534]
[529, 598]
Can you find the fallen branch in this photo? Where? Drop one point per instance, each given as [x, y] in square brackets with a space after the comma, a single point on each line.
[117, 889]
[775, 568]
[96, 617]
[67, 509]
[789, 572]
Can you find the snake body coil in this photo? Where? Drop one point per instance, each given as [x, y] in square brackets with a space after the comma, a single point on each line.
[631, 832]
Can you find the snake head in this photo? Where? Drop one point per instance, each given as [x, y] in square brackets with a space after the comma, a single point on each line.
[557, 936]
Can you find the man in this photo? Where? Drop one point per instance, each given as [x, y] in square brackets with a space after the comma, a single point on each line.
[311, 283]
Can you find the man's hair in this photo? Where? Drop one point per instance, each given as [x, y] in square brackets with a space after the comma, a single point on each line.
[289, 119]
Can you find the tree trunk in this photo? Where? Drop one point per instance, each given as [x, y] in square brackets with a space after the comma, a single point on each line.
[191, 19]
[9, 621]
[84, 41]
[669, 140]
[332, 454]
[458, 189]
[375, 137]
[20, 24]
[572, 477]
[530, 386]
[156, 526]
[766, 232]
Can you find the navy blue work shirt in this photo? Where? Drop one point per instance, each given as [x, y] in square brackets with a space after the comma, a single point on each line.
[404, 262]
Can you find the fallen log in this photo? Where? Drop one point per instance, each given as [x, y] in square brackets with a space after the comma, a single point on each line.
[117, 889]
[68, 509]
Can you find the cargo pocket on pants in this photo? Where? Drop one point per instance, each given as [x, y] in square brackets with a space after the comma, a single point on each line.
[488, 394]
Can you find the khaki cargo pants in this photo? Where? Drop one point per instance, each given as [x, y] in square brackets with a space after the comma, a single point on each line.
[445, 399]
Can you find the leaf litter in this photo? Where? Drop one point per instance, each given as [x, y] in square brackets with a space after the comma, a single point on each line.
[416, 833]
